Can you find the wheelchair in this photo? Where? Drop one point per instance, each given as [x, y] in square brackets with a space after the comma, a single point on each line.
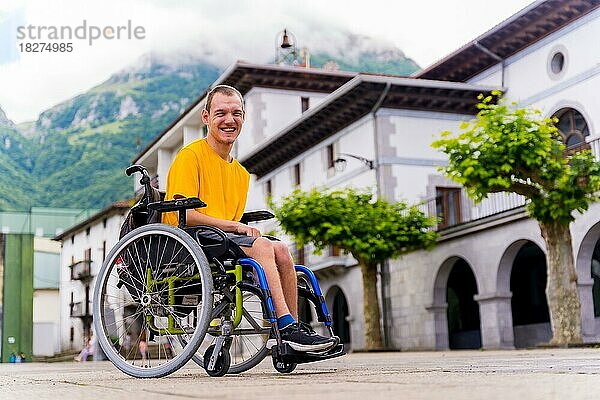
[166, 295]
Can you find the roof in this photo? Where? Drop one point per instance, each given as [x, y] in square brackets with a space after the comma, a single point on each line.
[244, 76]
[528, 26]
[117, 207]
[352, 102]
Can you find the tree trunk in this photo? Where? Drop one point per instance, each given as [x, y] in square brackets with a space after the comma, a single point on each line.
[561, 290]
[371, 307]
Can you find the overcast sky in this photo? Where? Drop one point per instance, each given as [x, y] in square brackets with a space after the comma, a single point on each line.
[217, 30]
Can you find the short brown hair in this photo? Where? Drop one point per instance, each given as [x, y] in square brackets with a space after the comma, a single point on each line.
[225, 90]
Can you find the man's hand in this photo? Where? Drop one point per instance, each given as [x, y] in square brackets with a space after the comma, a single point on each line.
[242, 229]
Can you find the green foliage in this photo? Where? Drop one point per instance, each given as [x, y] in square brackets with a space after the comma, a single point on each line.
[371, 230]
[509, 149]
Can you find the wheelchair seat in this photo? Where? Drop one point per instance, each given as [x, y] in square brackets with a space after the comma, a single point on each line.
[215, 243]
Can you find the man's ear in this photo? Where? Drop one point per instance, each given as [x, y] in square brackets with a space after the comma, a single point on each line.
[204, 116]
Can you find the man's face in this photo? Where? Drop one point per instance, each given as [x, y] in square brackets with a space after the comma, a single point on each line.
[225, 118]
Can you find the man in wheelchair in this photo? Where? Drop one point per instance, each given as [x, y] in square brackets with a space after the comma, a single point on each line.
[206, 169]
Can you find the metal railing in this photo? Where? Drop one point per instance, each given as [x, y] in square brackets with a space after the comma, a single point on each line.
[495, 203]
[80, 309]
[81, 270]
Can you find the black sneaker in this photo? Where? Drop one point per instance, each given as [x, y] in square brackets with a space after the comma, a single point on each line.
[309, 329]
[302, 339]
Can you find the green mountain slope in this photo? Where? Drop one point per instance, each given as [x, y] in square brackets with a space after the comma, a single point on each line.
[88, 141]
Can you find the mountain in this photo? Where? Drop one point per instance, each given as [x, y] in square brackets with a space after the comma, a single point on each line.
[74, 155]
[86, 142]
[361, 53]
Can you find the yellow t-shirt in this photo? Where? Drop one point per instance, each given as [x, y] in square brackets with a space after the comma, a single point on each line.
[198, 171]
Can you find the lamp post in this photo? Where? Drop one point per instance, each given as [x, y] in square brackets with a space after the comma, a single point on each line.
[340, 165]
[340, 162]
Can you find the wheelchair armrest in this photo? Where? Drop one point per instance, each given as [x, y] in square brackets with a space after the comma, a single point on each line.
[177, 204]
[258, 215]
[213, 241]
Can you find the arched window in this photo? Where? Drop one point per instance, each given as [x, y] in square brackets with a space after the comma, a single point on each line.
[572, 128]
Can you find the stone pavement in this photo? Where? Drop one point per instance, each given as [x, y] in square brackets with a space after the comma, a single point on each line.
[510, 374]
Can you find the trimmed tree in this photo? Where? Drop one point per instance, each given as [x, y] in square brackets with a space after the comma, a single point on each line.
[371, 230]
[510, 149]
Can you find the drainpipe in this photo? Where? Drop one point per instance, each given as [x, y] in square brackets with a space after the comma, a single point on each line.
[384, 266]
[493, 55]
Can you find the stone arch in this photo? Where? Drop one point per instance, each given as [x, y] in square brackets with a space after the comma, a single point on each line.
[337, 302]
[522, 278]
[586, 283]
[440, 301]
[575, 105]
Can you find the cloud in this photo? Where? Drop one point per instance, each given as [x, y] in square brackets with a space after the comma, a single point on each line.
[222, 32]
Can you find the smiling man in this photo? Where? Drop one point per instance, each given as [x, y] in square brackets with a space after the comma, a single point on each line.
[206, 169]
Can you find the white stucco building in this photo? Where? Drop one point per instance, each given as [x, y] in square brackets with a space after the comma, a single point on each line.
[483, 285]
[84, 247]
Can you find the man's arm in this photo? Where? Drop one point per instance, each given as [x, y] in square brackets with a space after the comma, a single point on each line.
[194, 217]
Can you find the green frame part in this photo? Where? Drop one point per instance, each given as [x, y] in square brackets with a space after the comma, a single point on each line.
[170, 281]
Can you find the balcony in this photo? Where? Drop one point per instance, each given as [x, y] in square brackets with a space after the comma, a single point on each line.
[81, 270]
[81, 309]
[461, 209]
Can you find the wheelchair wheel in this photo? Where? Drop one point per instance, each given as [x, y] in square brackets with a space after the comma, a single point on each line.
[284, 367]
[154, 286]
[222, 363]
[249, 340]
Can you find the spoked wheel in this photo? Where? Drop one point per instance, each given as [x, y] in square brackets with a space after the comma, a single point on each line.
[249, 340]
[222, 362]
[154, 286]
[284, 367]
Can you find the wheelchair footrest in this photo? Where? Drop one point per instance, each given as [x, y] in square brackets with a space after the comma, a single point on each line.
[289, 355]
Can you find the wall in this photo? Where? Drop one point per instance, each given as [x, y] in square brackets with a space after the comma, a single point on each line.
[17, 303]
[75, 250]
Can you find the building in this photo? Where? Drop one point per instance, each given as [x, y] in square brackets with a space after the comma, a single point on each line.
[29, 267]
[84, 248]
[483, 285]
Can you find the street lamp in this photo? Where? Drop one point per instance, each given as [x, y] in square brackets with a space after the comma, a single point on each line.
[340, 162]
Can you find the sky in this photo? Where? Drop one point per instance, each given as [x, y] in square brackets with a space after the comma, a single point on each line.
[218, 31]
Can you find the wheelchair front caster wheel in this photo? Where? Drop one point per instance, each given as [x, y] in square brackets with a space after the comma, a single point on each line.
[284, 367]
[221, 365]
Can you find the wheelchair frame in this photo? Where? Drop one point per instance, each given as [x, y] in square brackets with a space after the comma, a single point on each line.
[156, 297]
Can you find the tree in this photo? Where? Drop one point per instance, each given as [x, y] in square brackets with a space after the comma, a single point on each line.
[371, 230]
[510, 149]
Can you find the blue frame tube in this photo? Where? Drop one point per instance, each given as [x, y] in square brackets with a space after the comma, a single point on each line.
[317, 289]
[262, 281]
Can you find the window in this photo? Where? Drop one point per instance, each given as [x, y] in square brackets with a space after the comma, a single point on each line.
[72, 239]
[572, 128]
[447, 205]
[330, 156]
[87, 231]
[305, 103]
[335, 251]
[296, 176]
[557, 62]
[300, 255]
[269, 188]
[87, 254]
[104, 222]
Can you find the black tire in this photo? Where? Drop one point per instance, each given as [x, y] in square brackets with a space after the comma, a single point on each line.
[249, 340]
[222, 363]
[283, 367]
[133, 303]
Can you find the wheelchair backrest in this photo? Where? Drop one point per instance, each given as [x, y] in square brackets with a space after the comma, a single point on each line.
[140, 215]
